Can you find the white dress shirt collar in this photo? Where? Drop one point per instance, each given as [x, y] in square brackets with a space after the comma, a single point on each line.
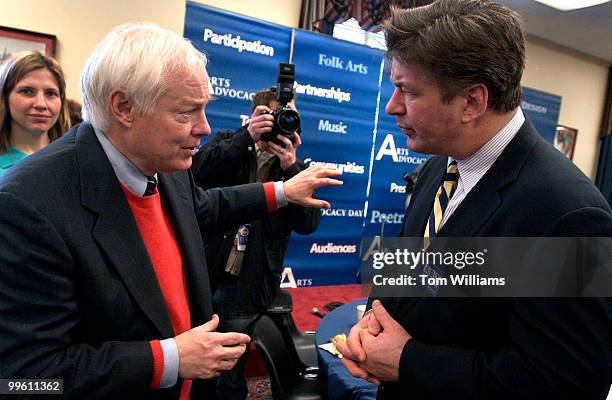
[124, 169]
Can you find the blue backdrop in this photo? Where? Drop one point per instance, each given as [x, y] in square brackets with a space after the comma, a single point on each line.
[243, 55]
[543, 110]
[335, 83]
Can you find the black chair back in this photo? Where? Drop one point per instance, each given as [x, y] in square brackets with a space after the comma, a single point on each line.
[304, 342]
[289, 377]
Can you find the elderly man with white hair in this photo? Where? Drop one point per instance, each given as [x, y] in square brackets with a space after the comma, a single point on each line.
[103, 281]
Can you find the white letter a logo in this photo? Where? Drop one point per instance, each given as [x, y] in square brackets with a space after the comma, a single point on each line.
[288, 275]
[387, 148]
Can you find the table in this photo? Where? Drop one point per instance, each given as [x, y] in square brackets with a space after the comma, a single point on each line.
[340, 384]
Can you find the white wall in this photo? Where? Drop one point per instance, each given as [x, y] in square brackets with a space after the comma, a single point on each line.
[581, 82]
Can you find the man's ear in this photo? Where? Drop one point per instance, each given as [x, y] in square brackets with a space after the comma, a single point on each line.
[121, 107]
[477, 98]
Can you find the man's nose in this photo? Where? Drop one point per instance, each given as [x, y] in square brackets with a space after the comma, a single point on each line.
[395, 106]
[201, 128]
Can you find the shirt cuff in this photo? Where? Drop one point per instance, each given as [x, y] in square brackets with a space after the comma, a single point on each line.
[171, 363]
[280, 194]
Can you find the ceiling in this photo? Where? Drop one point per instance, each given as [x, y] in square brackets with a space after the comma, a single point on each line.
[588, 30]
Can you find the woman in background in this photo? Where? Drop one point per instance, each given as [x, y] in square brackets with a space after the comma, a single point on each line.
[33, 109]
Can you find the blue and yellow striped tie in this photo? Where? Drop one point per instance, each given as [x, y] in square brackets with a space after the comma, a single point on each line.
[443, 196]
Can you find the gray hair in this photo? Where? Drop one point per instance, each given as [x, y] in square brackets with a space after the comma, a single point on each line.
[138, 59]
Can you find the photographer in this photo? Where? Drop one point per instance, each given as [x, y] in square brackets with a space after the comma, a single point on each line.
[215, 163]
[245, 263]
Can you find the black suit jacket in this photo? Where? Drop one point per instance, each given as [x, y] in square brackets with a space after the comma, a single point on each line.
[79, 299]
[494, 348]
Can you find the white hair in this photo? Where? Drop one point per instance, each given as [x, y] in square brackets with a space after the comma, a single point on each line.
[139, 59]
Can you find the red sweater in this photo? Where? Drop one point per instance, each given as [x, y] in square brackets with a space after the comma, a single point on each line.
[164, 252]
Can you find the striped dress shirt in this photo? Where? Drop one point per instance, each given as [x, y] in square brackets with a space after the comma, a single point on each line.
[473, 168]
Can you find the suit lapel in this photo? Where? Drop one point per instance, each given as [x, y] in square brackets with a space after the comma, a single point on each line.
[115, 230]
[487, 196]
[475, 210]
[423, 197]
[178, 203]
[415, 219]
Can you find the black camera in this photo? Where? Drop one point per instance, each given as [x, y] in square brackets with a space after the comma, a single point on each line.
[286, 120]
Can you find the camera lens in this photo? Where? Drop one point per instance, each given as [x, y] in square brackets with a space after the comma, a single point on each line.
[289, 121]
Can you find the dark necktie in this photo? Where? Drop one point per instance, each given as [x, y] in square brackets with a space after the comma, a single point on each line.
[151, 186]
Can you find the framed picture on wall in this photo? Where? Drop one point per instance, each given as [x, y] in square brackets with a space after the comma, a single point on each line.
[565, 140]
[15, 40]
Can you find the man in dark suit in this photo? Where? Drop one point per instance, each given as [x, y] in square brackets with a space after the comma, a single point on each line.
[457, 67]
[103, 279]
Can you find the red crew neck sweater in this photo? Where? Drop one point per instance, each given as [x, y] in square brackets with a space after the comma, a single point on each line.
[159, 239]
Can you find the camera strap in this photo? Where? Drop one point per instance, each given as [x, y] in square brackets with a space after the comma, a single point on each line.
[260, 166]
[264, 164]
